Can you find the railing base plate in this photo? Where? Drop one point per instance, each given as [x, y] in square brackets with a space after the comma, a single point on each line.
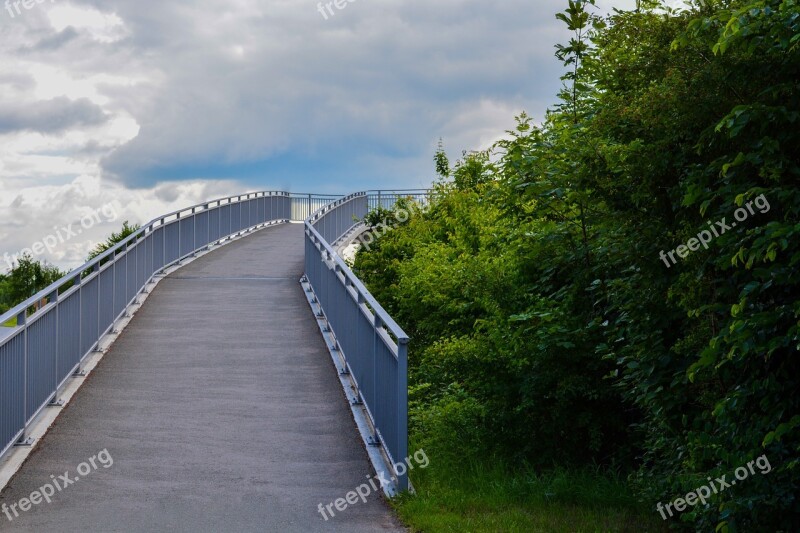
[25, 442]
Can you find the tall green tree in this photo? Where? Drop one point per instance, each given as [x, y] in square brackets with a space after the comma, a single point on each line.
[5, 295]
[27, 277]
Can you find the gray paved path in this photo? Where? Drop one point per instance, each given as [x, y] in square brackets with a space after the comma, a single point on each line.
[220, 408]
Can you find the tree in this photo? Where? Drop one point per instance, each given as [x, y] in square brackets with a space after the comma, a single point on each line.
[534, 282]
[5, 295]
[27, 277]
[115, 238]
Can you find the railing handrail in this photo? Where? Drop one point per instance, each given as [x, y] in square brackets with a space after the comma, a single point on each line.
[18, 309]
[315, 195]
[313, 217]
[414, 191]
[369, 349]
[80, 308]
[161, 221]
[377, 308]
[326, 208]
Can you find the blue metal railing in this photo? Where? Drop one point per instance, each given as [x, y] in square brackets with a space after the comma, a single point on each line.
[388, 198]
[372, 347]
[61, 325]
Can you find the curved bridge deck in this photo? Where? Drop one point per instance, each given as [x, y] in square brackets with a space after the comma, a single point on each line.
[220, 408]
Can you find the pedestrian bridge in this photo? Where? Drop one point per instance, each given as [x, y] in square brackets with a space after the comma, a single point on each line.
[239, 375]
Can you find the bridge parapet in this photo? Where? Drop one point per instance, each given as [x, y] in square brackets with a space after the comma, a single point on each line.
[59, 327]
[369, 348]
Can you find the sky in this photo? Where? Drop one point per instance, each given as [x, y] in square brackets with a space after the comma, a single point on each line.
[119, 110]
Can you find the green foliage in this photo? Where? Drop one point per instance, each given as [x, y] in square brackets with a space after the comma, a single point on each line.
[26, 278]
[29, 276]
[398, 215]
[5, 296]
[546, 330]
[441, 161]
[114, 239]
[378, 216]
[488, 354]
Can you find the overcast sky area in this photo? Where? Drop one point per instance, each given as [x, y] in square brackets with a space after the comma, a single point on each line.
[145, 107]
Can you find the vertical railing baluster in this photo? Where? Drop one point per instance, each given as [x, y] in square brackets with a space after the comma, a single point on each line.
[22, 319]
[99, 331]
[79, 283]
[53, 298]
[402, 409]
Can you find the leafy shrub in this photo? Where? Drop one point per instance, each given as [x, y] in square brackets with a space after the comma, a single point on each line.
[546, 330]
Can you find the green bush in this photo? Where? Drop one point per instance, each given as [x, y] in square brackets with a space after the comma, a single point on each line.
[547, 329]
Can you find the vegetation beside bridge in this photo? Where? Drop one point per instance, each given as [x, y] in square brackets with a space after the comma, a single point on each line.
[551, 340]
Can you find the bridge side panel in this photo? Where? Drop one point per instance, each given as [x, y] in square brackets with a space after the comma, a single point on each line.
[372, 346]
[12, 389]
[63, 323]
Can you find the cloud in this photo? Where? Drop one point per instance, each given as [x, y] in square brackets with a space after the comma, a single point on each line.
[224, 88]
[49, 116]
[59, 40]
[38, 211]
[157, 103]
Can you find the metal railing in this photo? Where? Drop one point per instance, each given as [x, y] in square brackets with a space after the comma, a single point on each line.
[387, 199]
[61, 325]
[304, 204]
[371, 346]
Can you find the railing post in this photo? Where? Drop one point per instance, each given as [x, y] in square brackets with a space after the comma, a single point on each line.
[163, 245]
[53, 298]
[113, 261]
[194, 230]
[78, 282]
[402, 410]
[22, 320]
[208, 226]
[377, 323]
[96, 268]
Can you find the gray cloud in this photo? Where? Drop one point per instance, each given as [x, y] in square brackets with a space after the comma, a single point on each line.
[17, 81]
[49, 116]
[247, 81]
[118, 100]
[232, 83]
[54, 42]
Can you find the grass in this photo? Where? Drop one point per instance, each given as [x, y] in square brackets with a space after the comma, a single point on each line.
[477, 499]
